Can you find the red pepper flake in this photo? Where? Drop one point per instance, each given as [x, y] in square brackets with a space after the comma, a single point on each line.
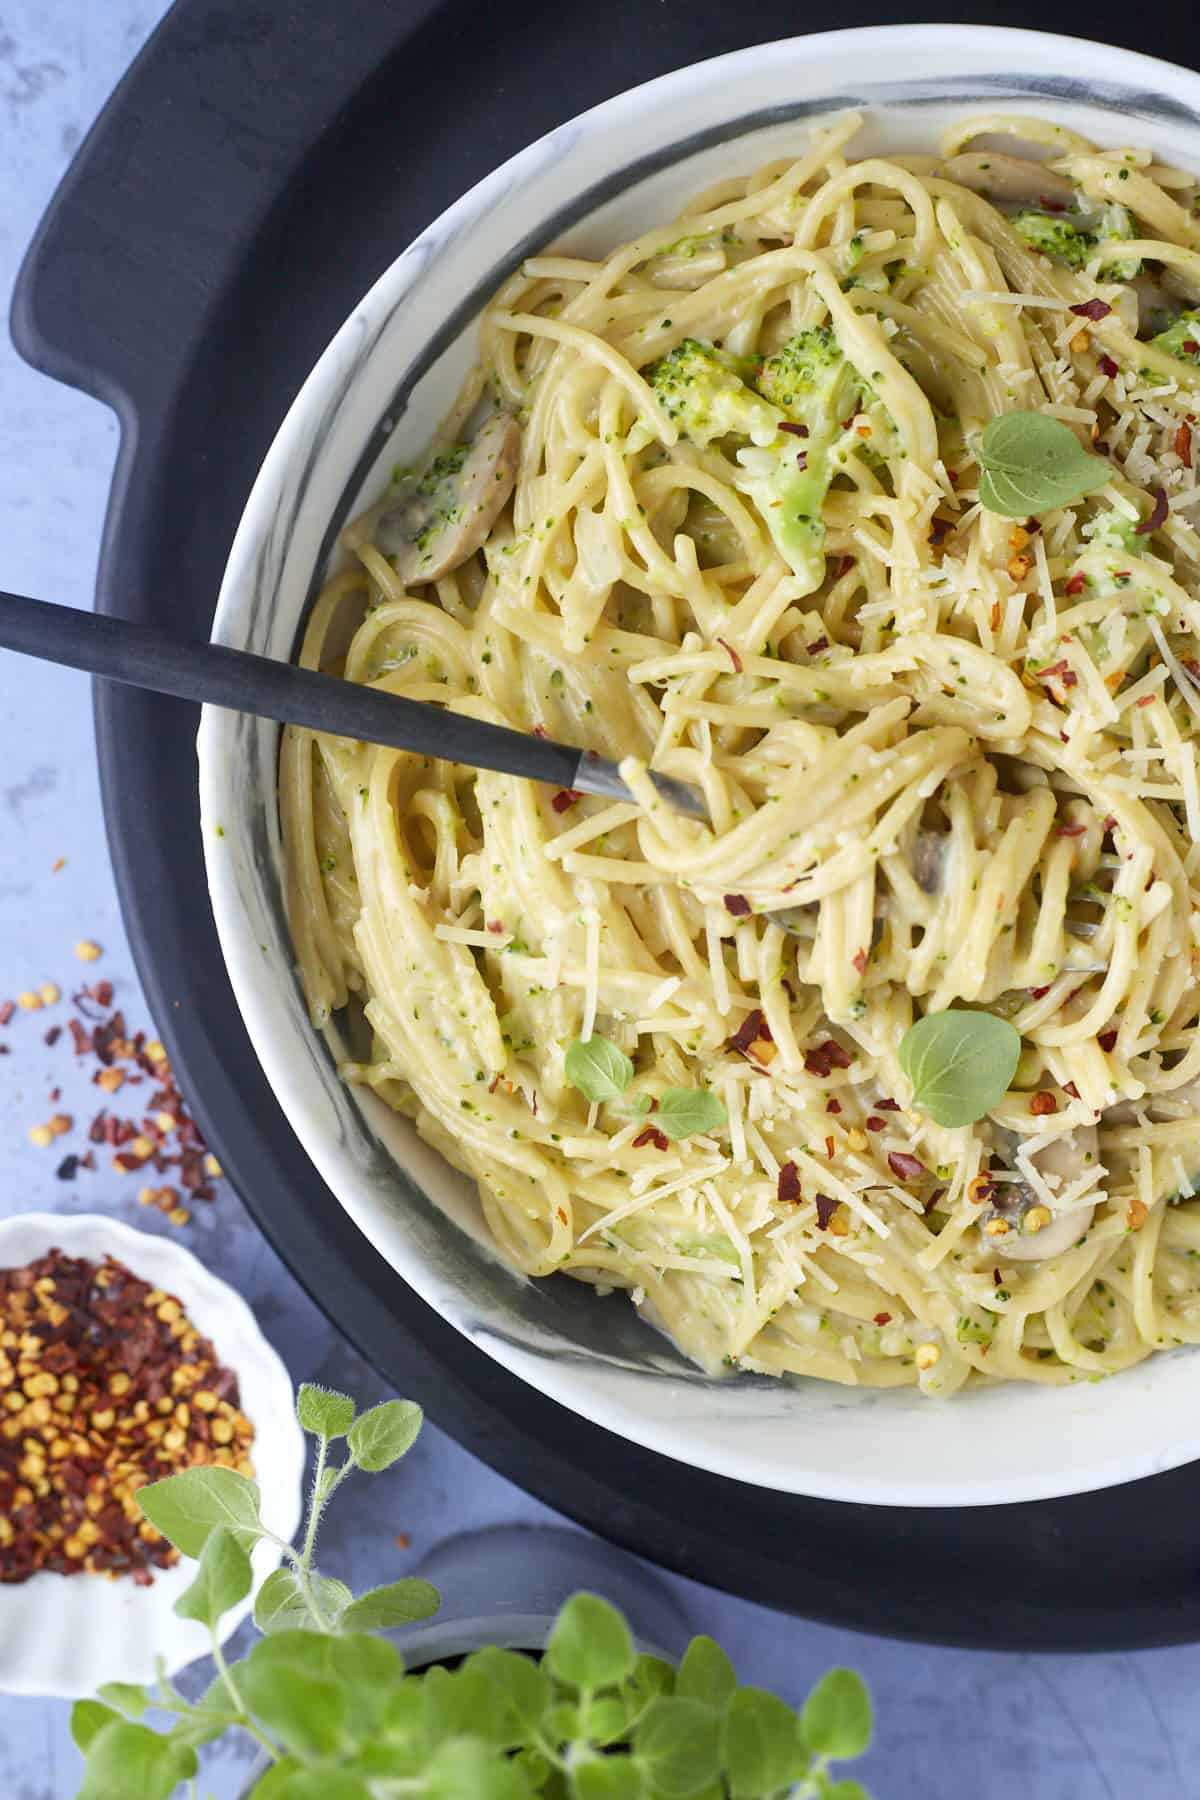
[565, 799]
[563, 1215]
[1108, 367]
[1039, 993]
[883, 1318]
[737, 905]
[734, 658]
[1183, 445]
[1068, 1087]
[905, 1167]
[66, 1168]
[1042, 1104]
[102, 993]
[794, 430]
[888, 1105]
[937, 1194]
[1146, 700]
[1062, 667]
[1106, 1040]
[802, 459]
[52, 1036]
[817, 645]
[1076, 583]
[127, 1163]
[859, 960]
[752, 1029]
[1073, 830]
[650, 1135]
[824, 1058]
[788, 1189]
[1049, 203]
[1157, 518]
[540, 731]
[826, 1207]
[874, 1123]
[82, 1039]
[7, 1009]
[830, 1148]
[1091, 309]
[496, 927]
[833, 1104]
[1191, 346]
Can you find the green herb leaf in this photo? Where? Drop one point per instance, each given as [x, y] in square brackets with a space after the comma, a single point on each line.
[518, 1678]
[131, 1762]
[684, 1111]
[371, 1671]
[222, 1579]
[288, 1684]
[706, 1673]
[126, 1696]
[383, 1435]
[961, 1063]
[280, 1604]
[1031, 462]
[469, 1768]
[187, 1507]
[845, 1790]
[607, 1778]
[323, 1412]
[677, 1745]
[87, 1718]
[398, 1603]
[590, 1645]
[273, 1784]
[651, 1677]
[836, 1720]
[760, 1743]
[605, 1720]
[467, 1704]
[597, 1068]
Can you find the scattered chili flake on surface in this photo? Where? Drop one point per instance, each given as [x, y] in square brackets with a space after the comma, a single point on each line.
[794, 430]
[1191, 346]
[737, 905]
[826, 1207]
[817, 645]
[874, 1123]
[1091, 309]
[859, 961]
[1075, 829]
[1158, 515]
[1075, 583]
[1043, 1102]
[651, 1135]
[753, 1029]
[904, 1166]
[937, 1194]
[1183, 445]
[824, 1058]
[734, 658]
[7, 1009]
[52, 1036]
[788, 1186]
[883, 1318]
[403, 1541]
[1038, 993]
[830, 1148]
[833, 1105]
[1068, 1087]
[565, 799]
[110, 1386]
[1108, 366]
[887, 1105]
[1106, 1040]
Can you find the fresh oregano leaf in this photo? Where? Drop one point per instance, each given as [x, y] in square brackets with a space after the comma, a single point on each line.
[325, 1784]
[960, 1063]
[706, 1673]
[383, 1435]
[223, 1578]
[130, 1762]
[323, 1412]
[607, 1778]
[590, 1645]
[677, 1744]
[273, 1784]
[651, 1677]
[187, 1507]
[127, 1696]
[87, 1718]
[597, 1068]
[836, 1720]
[280, 1604]
[682, 1112]
[287, 1683]
[519, 1679]
[399, 1603]
[1030, 462]
[760, 1743]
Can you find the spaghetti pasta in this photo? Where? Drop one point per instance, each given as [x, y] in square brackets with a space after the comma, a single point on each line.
[949, 757]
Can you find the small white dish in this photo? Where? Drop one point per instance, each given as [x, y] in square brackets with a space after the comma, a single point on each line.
[373, 399]
[66, 1634]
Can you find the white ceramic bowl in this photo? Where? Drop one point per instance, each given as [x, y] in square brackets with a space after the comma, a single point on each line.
[373, 398]
[67, 1634]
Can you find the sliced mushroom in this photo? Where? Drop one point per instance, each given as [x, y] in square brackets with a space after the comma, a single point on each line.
[1065, 1158]
[1009, 180]
[929, 852]
[441, 514]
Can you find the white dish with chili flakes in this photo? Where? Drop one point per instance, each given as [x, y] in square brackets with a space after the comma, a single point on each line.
[373, 401]
[65, 1634]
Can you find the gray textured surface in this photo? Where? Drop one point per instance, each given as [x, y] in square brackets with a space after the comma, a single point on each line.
[1049, 1728]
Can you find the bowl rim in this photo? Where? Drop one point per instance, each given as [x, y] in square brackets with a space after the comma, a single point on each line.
[981, 48]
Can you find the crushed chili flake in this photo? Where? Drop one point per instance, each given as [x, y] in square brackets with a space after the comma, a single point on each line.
[937, 1194]
[565, 799]
[1106, 1040]
[1183, 445]
[67, 1168]
[753, 1029]
[1191, 346]
[904, 1166]
[824, 1058]
[833, 1105]
[817, 645]
[874, 1123]
[734, 658]
[1068, 1087]
[7, 1009]
[1076, 829]
[112, 1387]
[1091, 309]
[826, 1207]
[794, 430]
[1043, 1102]
[1158, 515]
[651, 1135]
[1075, 583]
[887, 1105]
[788, 1187]
[802, 459]
[52, 1036]
[830, 1148]
[859, 961]
[737, 905]
[1108, 367]
[883, 1318]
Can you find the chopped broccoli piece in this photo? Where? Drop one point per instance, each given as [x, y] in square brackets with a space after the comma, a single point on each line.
[1054, 237]
[1182, 339]
[1116, 221]
[701, 389]
[1114, 531]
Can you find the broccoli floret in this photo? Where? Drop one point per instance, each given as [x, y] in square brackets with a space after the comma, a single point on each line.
[1114, 531]
[1054, 237]
[813, 385]
[701, 389]
[1116, 222]
[785, 471]
[1182, 339]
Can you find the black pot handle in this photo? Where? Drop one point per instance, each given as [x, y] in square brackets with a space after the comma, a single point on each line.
[172, 182]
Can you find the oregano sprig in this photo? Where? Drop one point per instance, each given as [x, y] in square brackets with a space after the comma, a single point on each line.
[601, 1072]
[1030, 462]
[960, 1063]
